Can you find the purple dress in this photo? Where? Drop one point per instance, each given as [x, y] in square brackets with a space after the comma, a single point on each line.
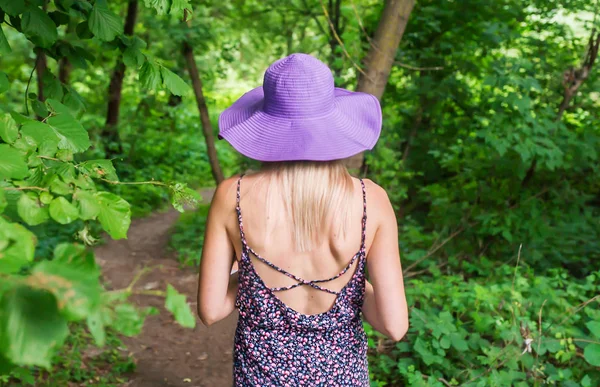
[277, 346]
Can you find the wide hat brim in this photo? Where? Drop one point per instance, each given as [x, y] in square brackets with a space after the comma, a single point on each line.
[351, 127]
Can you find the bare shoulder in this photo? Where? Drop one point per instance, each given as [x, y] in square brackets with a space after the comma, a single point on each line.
[376, 195]
[378, 202]
[225, 195]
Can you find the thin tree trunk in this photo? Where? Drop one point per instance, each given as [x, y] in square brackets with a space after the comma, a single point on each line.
[110, 133]
[207, 128]
[382, 53]
[41, 66]
[64, 70]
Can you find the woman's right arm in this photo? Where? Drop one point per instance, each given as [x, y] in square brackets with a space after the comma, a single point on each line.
[385, 305]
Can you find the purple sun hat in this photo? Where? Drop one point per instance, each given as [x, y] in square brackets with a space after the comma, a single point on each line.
[298, 114]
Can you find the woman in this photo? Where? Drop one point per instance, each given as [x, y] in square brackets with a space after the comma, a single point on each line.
[298, 230]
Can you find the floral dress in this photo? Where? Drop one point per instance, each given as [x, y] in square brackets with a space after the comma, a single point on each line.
[278, 346]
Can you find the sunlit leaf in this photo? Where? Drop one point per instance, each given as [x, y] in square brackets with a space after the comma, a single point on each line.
[161, 6]
[12, 165]
[31, 327]
[103, 23]
[173, 82]
[150, 75]
[19, 246]
[62, 211]
[70, 132]
[114, 215]
[8, 128]
[176, 303]
[31, 210]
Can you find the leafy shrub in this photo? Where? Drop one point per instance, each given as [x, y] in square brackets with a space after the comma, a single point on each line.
[475, 332]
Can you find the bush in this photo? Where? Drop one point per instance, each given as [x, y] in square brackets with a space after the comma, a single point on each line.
[475, 332]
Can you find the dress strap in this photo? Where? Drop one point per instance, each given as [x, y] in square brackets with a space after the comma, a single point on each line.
[363, 236]
[238, 209]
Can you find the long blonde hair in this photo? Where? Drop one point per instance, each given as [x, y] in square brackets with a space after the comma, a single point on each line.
[316, 196]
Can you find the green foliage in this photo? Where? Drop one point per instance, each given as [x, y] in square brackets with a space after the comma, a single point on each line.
[187, 238]
[475, 332]
[79, 361]
[48, 187]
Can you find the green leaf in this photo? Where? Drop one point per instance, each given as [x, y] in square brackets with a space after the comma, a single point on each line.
[181, 196]
[17, 248]
[591, 353]
[3, 201]
[63, 211]
[13, 7]
[31, 210]
[445, 342]
[59, 187]
[52, 87]
[74, 102]
[75, 284]
[586, 381]
[31, 327]
[83, 30]
[150, 75]
[132, 57]
[115, 214]
[99, 169]
[87, 204]
[4, 46]
[8, 129]
[128, 320]
[38, 26]
[40, 133]
[104, 23]
[39, 108]
[178, 7]
[4, 83]
[176, 303]
[458, 342]
[46, 197]
[594, 327]
[12, 165]
[70, 132]
[95, 323]
[58, 108]
[161, 6]
[173, 82]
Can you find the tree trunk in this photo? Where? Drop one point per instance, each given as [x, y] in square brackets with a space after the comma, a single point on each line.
[203, 110]
[110, 133]
[64, 70]
[381, 55]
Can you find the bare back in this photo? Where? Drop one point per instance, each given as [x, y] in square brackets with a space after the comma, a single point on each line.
[271, 238]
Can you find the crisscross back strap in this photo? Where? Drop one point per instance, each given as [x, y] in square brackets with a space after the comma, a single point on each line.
[300, 281]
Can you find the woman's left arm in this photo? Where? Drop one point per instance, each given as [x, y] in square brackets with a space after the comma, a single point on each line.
[217, 287]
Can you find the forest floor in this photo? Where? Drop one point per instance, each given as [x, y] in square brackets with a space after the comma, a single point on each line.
[165, 353]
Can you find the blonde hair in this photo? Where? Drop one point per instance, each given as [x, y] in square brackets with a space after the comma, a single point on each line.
[316, 196]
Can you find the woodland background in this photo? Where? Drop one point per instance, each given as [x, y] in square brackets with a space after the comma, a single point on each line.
[489, 152]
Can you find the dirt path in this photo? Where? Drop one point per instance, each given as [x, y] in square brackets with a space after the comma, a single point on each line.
[165, 353]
